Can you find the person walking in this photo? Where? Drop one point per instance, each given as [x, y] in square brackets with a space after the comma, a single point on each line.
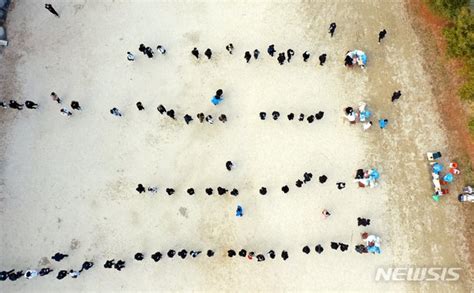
[382, 34]
[65, 112]
[290, 54]
[114, 111]
[208, 53]
[130, 56]
[187, 118]
[230, 48]
[247, 56]
[396, 95]
[15, 105]
[217, 98]
[149, 52]
[75, 106]
[195, 52]
[332, 28]
[322, 59]
[59, 256]
[140, 106]
[51, 9]
[31, 105]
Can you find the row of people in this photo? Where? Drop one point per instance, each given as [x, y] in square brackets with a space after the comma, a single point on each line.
[291, 116]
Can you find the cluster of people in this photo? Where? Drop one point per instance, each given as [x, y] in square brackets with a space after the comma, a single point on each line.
[32, 105]
[291, 116]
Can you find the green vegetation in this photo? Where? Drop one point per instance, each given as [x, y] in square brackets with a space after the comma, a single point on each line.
[459, 36]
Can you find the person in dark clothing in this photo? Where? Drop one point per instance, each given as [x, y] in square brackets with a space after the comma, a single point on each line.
[307, 177]
[361, 248]
[15, 105]
[247, 56]
[234, 192]
[200, 117]
[306, 56]
[139, 256]
[210, 253]
[299, 183]
[51, 9]
[229, 165]
[119, 265]
[109, 264]
[284, 255]
[183, 253]
[322, 59]
[221, 191]
[231, 253]
[222, 118]
[229, 48]
[45, 271]
[140, 188]
[31, 105]
[195, 53]
[4, 275]
[142, 48]
[275, 115]
[190, 191]
[86, 265]
[263, 191]
[319, 249]
[149, 52]
[340, 185]
[348, 61]
[170, 191]
[281, 58]
[323, 179]
[75, 106]
[208, 53]
[290, 54]
[61, 274]
[260, 257]
[396, 95]
[319, 115]
[310, 119]
[359, 174]
[156, 256]
[382, 34]
[332, 28]
[306, 249]
[301, 118]
[187, 118]
[271, 254]
[263, 115]
[343, 246]
[291, 116]
[209, 119]
[171, 253]
[334, 245]
[363, 222]
[285, 189]
[256, 53]
[209, 191]
[140, 106]
[59, 256]
[243, 253]
[271, 50]
[170, 113]
[161, 109]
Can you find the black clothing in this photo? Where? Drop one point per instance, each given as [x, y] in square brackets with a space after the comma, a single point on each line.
[59, 256]
[156, 256]
[195, 53]
[140, 188]
[260, 257]
[140, 106]
[61, 274]
[187, 118]
[290, 54]
[306, 56]
[139, 256]
[209, 191]
[51, 9]
[271, 253]
[271, 50]
[332, 28]
[170, 191]
[299, 183]
[323, 179]
[322, 59]
[234, 192]
[45, 271]
[319, 115]
[221, 191]
[310, 119]
[284, 255]
[396, 95]
[170, 113]
[247, 56]
[256, 52]
[229, 165]
[281, 58]
[343, 246]
[190, 191]
[285, 189]
[210, 253]
[31, 105]
[291, 116]
[161, 109]
[275, 115]
[263, 115]
[109, 264]
[306, 249]
[208, 53]
[334, 245]
[319, 249]
[171, 253]
[263, 191]
[75, 105]
[301, 118]
[231, 253]
[243, 253]
[382, 34]
[183, 253]
[340, 185]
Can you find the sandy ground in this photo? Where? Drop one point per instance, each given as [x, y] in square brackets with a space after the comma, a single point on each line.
[69, 184]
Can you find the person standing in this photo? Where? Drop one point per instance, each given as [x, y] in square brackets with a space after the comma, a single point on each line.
[382, 34]
[187, 118]
[230, 48]
[51, 9]
[218, 97]
[208, 53]
[322, 59]
[306, 56]
[281, 58]
[130, 56]
[59, 256]
[15, 105]
[195, 52]
[256, 53]
[149, 52]
[161, 49]
[55, 97]
[140, 106]
[271, 50]
[247, 56]
[325, 214]
[65, 112]
[396, 95]
[290, 54]
[114, 111]
[142, 48]
[332, 28]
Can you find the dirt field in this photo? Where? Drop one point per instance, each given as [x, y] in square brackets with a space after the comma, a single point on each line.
[68, 184]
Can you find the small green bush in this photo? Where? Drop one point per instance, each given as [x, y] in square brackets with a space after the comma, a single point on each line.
[448, 8]
[471, 125]
[460, 36]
